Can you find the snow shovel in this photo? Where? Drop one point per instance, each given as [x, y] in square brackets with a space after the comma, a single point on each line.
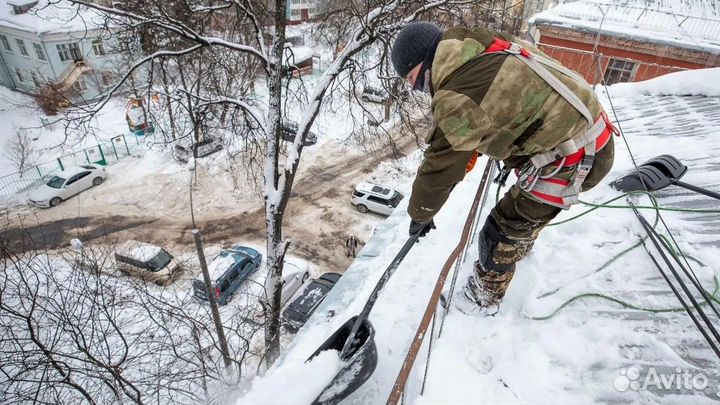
[356, 344]
[656, 174]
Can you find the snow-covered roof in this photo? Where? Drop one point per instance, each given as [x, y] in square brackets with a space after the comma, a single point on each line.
[297, 54]
[220, 264]
[373, 188]
[692, 24]
[142, 251]
[582, 353]
[50, 17]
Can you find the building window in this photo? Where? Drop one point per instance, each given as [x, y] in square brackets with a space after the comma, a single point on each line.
[618, 71]
[107, 78]
[98, 47]
[40, 52]
[69, 51]
[36, 79]
[20, 77]
[6, 43]
[80, 85]
[21, 46]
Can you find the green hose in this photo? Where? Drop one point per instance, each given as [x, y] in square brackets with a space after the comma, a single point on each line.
[655, 207]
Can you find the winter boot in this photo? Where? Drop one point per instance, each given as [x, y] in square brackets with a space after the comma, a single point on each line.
[483, 292]
[497, 255]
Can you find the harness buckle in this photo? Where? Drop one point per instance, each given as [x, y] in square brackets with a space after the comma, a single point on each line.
[502, 175]
[528, 176]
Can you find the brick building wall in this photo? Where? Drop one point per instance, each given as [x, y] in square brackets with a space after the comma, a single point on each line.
[574, 49]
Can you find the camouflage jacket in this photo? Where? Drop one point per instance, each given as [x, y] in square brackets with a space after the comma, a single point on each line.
[493, 104]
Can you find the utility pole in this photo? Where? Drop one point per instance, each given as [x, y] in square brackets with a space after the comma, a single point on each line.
[212, 298]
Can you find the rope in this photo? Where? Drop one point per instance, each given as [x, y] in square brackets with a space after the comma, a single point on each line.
[608, 204]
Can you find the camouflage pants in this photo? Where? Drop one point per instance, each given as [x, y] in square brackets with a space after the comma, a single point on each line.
[521, 218]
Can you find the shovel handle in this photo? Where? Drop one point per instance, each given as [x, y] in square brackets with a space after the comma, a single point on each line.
[373, 296]
[697, 189]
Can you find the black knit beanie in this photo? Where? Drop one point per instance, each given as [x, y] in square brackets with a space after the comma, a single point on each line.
[413, 44]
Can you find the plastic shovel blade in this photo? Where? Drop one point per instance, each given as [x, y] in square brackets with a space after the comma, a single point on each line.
[358, 365]
[651, 176]
[669, 165]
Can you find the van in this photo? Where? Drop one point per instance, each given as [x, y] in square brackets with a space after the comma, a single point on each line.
[147, 261]
[373, 197]
[228, 271]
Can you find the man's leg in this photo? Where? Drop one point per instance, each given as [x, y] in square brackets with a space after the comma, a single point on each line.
[506, 238]
[510, 231]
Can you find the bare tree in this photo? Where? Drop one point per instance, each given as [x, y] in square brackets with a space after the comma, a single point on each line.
[19, 150]
[73, 330]
[213, 44]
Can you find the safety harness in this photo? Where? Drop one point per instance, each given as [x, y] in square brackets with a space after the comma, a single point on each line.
[538, 178]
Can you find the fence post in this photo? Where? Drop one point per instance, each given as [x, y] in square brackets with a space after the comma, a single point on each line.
[60, 163]
[87, 158]
[102, 155]
[126, 145]
[39, 172]
[114, 150]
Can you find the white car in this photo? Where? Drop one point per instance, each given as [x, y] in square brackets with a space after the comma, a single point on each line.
[295, 274]
[372, 197]
[66, 184]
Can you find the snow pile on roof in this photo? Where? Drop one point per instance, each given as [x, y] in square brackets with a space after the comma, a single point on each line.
[690, 82]
[693, 24]
[144, 251]
[559, 336]
[217, 267]
[51, 17]
[297, 54]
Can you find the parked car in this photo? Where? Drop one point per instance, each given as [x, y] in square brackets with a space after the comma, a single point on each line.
[295, 274]
[228, 271]
[374, 95]
[290, 128]
[205, 147]
[147, 261]
[372, 197]
[300, 309]
[66, 184]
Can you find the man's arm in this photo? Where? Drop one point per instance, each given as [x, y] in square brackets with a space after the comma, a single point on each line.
[441, 169]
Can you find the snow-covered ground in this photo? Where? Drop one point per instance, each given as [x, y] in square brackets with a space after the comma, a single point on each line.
[589, 349]
[48, 135]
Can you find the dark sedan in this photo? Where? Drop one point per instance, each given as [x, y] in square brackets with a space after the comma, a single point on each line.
[299, 311]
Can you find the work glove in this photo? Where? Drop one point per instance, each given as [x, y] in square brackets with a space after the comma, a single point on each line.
[421, 229]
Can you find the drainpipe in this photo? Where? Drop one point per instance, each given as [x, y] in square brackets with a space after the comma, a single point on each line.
[2, 58]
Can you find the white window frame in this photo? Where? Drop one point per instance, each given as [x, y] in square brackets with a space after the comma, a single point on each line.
[18, 73]
[80, 86]
[6, 43]
[22, 47]
[65, 51]
[98, 47]
[624, 71]
[36, 80]
[107, 78]
[40, 52]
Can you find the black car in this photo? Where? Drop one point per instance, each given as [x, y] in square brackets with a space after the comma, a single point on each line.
[289, 129]
[299, 311]
[206, 147]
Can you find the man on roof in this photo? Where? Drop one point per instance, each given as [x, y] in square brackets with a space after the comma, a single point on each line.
[493, 95]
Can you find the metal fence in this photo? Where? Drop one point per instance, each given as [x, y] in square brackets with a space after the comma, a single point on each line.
[105, 153]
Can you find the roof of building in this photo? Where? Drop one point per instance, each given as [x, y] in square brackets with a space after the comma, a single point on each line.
[553, 338]
[50, 17]
[691, 24]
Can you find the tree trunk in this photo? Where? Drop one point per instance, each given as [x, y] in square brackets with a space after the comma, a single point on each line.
[276, 248]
